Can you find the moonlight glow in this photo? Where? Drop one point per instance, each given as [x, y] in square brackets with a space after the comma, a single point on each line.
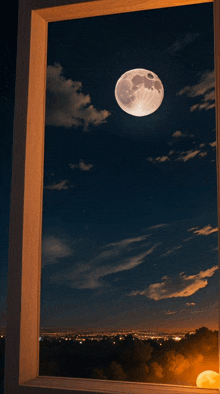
[139, 92]
[208, 379]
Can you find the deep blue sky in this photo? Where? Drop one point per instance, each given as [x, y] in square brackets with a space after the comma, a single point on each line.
[129, 204]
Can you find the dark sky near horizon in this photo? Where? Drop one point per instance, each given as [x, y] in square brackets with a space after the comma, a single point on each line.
[130, 203]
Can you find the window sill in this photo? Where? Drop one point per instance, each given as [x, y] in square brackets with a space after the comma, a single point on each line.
[54, 385]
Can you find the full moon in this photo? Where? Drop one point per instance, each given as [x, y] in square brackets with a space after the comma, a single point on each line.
[139, 92]
[208, 379]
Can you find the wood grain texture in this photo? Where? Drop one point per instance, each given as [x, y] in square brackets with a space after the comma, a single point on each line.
[107, 7]
[217, 117]
[24, 273]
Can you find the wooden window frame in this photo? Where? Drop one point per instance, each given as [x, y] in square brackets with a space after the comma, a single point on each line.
[25, 240]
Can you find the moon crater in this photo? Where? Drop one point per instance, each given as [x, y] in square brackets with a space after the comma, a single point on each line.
[139, 92]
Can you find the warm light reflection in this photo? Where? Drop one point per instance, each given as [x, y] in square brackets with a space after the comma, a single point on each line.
[208, 379]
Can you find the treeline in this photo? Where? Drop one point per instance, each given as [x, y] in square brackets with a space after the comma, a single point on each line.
[132, 359]
[129, 359]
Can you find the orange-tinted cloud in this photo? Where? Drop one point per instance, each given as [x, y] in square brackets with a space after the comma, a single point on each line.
[188, 155]
[206, 230]
[181, 286]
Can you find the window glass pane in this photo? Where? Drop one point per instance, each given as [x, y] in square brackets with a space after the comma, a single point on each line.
[129, 245]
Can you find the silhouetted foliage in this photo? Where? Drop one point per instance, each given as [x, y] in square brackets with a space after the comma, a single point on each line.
[115, 372]
[172, 362]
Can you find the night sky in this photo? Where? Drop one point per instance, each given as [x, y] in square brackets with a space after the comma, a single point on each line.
[129, 238]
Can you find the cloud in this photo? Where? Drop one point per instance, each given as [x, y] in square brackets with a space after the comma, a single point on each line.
[171, 251]
[202, 154]
[181, 286]
[205, 88]
[159, 159]
[53, 249]
[88, 275]
[59, 186]
[125, 242]
[154, 227]
[169, 312]
[206, 230]
[190, 303]
[162, 159]
[190, 154]
[157, 226]
[66, 106]
[177, 155]
[193, 228]
[116, 248]
[82, 166]
[177, 134]
[179, 44]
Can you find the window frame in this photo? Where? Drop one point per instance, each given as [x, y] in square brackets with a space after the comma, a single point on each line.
[25, 236]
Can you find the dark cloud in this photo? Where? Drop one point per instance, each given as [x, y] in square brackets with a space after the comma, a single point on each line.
[66, 105]
[179, 44]
[204, 88]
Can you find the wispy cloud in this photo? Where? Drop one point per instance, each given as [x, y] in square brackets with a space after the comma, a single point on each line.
[59, 186]
[159, 159]
[181, 286]
[207, 230]
[82, 166]
[193, 228]
[180, 43]
[170, 312]
[53, 249]
[89, 275]
[190, 154]
[176, 154]
[117, 248]
[190, 304]
[128, 241]
[205, 88]
[157, 226]
[154, 227]
[171, 251]
[66, 105]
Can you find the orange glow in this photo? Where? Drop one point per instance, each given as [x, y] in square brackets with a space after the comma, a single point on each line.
[208, 379]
